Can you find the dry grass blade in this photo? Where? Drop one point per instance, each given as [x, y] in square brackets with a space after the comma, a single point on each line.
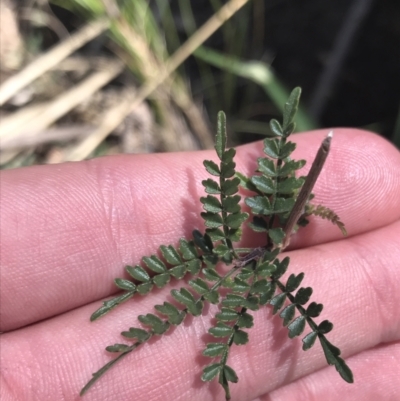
[57, 134]
[49, 113]
[51, 58]
[200, 36]
[116, 115]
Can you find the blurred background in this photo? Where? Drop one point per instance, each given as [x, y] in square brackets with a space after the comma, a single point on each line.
[84, 78]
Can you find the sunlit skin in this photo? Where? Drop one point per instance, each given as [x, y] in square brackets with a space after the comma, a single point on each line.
[68, 230]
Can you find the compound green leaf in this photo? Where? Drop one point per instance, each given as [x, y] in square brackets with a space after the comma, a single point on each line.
[309, 340]
[160, 280]
[150, 320]
[259, 205]
[193, 266]
[329, 346]
[281, 267]
[277, 302]
[287, 149]
[167, 309]
[271, 148]
[216, 234]
[211, 274]
[144, 288]
[201, 240]
[214, 349]
[155, 264]
[332, 357]
[183, 296]
[246, 273]
[231, 204]
[212, 296]
[240, 337]
[233, 300]
[221, 250]
[140, 334]
[325, 327]
[211, 186]
[287, 314]
[227, 315]
[277, 235]
[289, 185]
[230, 374]
[314, 309]
[212, 167]
[109, 305]
[153, 321]
[290, 166]
[117, 348]
[220, 330]
[266, 269]
[234, 234]
[235, 220]
[211, 204]
[240, 285]
[187, 249]
[196, 308]
[263, 184]
[283, 205]
[252, 303]
[228, 169]
[291, 106]
[303, 295]
[220, 140]
[266, 166]
[178, 271]
[125, 284]
[230, 187]
[208, 241]
[176, 320]
[138, 273]
[199, 285]
[210, 372]
[245, 320]
[276, 127]
[228, 156]
[261, 286]
[266, 296]
[297, 326]
[171, 255]
[289, 129]
[212, 220]
[294, 281]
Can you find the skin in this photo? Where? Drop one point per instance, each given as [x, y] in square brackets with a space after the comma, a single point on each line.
[68, 230]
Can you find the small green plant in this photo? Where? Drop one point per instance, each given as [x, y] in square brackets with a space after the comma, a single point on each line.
[279, 205]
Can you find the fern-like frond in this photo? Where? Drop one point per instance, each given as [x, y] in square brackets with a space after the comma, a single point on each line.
[223, 216]
[175, 317]
[296, 325]
[248, 291]
[177, 263]
[276, 185]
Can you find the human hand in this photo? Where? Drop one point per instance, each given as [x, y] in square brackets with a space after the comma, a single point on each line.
[68, 230]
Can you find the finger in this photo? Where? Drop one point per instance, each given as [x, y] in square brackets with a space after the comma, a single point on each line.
[357, 285]
[372, 382]
[68, 230]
